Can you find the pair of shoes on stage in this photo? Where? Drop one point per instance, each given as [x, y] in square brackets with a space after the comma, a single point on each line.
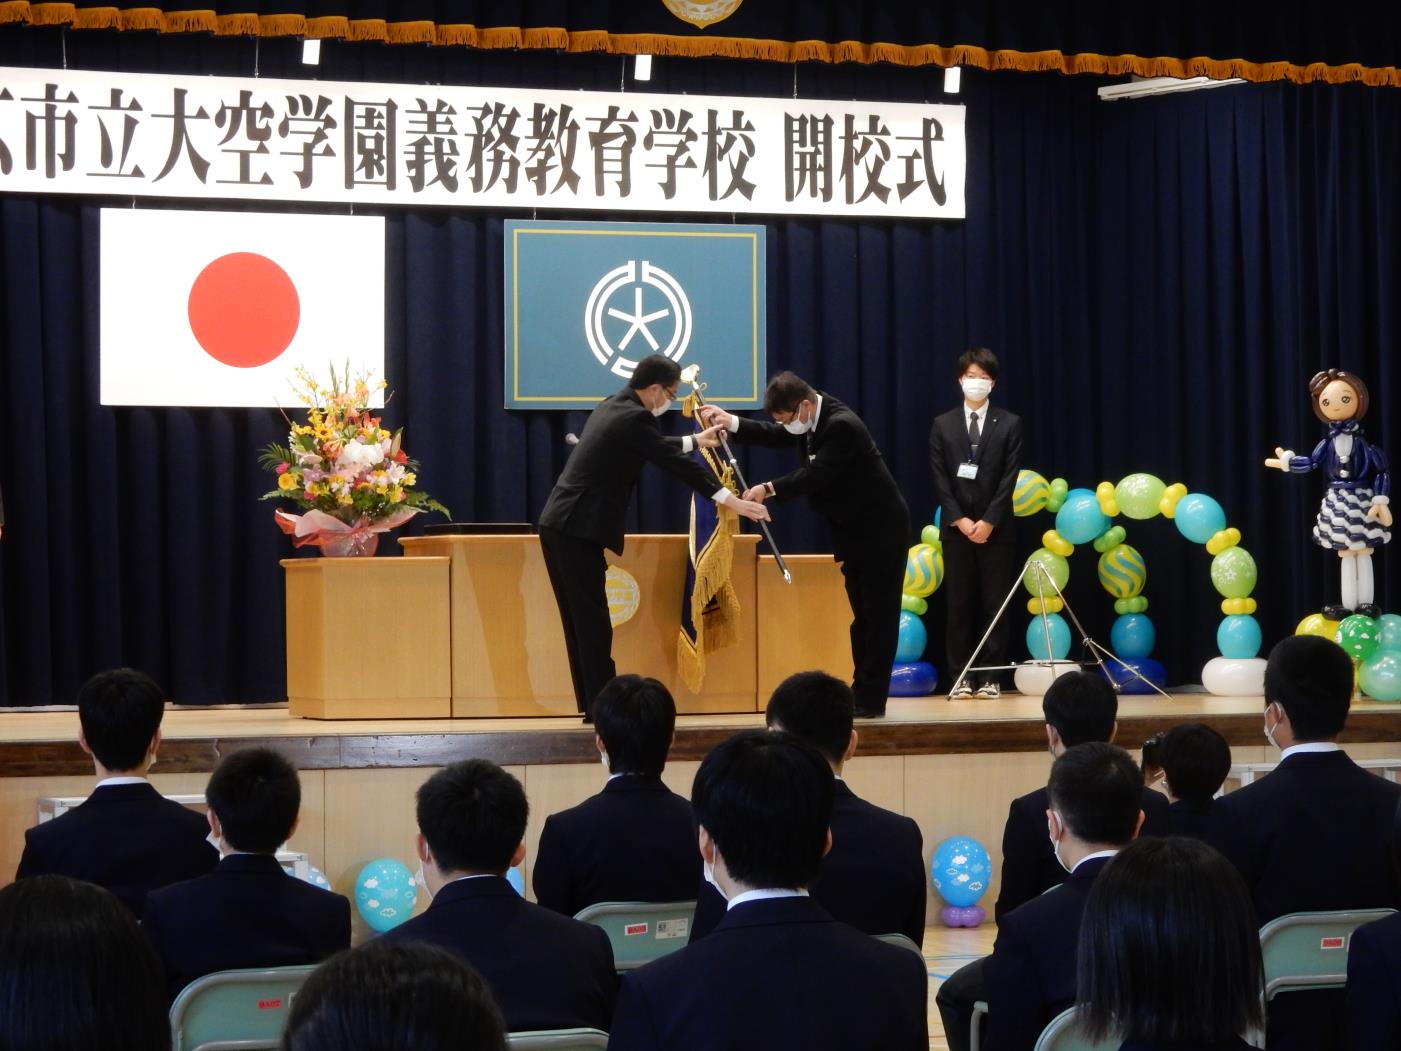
[989, 691]
[961, 691]
[1367, 609]
[869, 713]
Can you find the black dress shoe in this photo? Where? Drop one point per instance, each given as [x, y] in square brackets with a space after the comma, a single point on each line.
[1336, 612]
[869, 713]
[1369, 609]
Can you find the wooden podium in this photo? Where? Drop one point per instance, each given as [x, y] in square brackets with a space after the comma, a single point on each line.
[508, 655]
[368, 638]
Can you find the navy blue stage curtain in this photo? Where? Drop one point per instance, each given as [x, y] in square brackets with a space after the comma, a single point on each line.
[1159, 276]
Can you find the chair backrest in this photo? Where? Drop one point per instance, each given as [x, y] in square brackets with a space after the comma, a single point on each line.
[904, 941]
[641, 931]
[1062, 1034]
[558, 1040]
[1308, 950]
[235, 1010]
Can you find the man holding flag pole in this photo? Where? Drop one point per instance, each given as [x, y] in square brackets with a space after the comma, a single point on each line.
[586, 510]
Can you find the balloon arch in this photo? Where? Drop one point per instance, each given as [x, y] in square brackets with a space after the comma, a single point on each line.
[1085, 516]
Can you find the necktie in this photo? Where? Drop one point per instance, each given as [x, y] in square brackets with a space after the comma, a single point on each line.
[975, 435]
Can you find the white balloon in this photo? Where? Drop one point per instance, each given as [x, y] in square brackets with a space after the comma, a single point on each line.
[1230, 677]
[1035, 679]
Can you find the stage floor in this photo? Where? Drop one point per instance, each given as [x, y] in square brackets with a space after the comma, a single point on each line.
[39, 743]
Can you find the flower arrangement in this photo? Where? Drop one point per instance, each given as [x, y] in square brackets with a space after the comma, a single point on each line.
[350, 476]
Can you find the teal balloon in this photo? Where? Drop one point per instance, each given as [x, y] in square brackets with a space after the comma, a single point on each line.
[910, 646]
[1389, 632]
[517, 880]
[1199, 517]
[1238, 637]
[385, 894]
[1060, 637]
[1132, 637]
[1079, 519]
[1380, 676]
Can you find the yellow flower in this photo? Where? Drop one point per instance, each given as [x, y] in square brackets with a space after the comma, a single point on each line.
[287, 481]
[345, 499]
[409, 478]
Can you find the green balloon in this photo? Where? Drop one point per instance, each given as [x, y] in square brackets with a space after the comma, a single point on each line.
[1138, 495]
[1059, 488]
[1358, 635]
[1110, 538]
[1056, 566]
[930, 535]
[912, 604]
[1233, 573]
[1380, 677]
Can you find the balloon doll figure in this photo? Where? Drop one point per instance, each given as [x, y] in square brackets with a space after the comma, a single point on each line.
[1355, 517]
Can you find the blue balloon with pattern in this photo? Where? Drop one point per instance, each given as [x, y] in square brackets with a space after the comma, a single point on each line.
[1122, 571]
[1132, 636]
[960, 870]
[385, 894]
[1036, 638]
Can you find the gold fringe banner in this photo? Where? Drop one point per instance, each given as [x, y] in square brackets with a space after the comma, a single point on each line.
[554, 38]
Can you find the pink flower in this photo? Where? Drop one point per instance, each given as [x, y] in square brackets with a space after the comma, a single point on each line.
[283, 467]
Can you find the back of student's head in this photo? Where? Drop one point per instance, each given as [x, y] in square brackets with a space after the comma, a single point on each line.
[76, 971]
[1098, 791]
[636, 719]
[120, 711]
[1195, 761]
[766, 800]
[473, 816]
[816, 707]
[1081, 707]
[655, 368]
[256, 795]
[1311, 679]
[379, 997]
[1169, 948]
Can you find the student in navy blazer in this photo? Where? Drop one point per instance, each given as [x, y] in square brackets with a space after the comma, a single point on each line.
[1192, 761]
[1095, 795]
[1314, 833]
[873, 877]
[126, 836]
[778, 971]
[636, 839]
[248, 912]
[546, 971]
[1373, 996]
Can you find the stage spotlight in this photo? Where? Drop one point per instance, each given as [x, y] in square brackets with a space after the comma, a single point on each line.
[642, 68]
[311, 52]
[952, 76]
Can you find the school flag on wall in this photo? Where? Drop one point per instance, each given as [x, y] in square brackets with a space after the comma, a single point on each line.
[710, 609]
[220, 308]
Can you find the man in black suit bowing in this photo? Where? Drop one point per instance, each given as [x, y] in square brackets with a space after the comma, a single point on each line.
[845, 479]
[126, 836]
[1315, 833]
[975, 452]
[778, 971]
[586, 509]
[635, 840]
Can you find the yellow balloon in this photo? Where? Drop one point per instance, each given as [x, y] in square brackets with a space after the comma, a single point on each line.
[1054, 604]
[1235, 606]
[1222, 540]
[1057, 543]
[1317, 624]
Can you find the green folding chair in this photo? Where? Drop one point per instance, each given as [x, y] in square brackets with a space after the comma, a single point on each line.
[1063, 1034]
[975, 1025]
[1308, 950]
[904, 941]
[235, 1010]
[558, 1040]
[641, 931]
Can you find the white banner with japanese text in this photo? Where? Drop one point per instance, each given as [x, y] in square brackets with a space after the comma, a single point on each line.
[141, 135]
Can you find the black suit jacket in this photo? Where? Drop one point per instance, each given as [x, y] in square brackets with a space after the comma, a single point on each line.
[989, 496]
[1187, 817]
[1373, 995]
[1314, 833]
[634, 841]
[1029, 865]
[127, 838]
[246, 913]
[842, 474]
[545, 970]
[776, 973]
[873, 877]
[590, 499]
[1031, 972]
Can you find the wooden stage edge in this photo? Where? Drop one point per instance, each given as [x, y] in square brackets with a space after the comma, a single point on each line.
[45, 743]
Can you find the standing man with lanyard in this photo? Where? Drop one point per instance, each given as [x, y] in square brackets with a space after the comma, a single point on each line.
[585, 512]
[845, 479]
[975, 452]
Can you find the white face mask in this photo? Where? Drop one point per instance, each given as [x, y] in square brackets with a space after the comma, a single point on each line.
[1270, 730]
[976, 389]
[1055, 847]
[708, 871]
[603, 758]
[797, 426]
[421, 881]
[213, 841]
[661, 410]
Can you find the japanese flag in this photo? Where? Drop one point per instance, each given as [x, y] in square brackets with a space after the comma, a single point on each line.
[219, 308]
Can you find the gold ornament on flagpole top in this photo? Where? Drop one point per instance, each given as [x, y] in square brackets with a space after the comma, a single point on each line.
[691, 375]
[702, 13]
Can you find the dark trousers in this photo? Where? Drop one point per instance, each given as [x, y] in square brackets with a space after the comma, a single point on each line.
[1311, 1020]
[955, 1000]
[874, 574]
[578, 571]
[976, 580]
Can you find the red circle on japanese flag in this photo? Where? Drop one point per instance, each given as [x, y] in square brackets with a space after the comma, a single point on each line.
[244, 309]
